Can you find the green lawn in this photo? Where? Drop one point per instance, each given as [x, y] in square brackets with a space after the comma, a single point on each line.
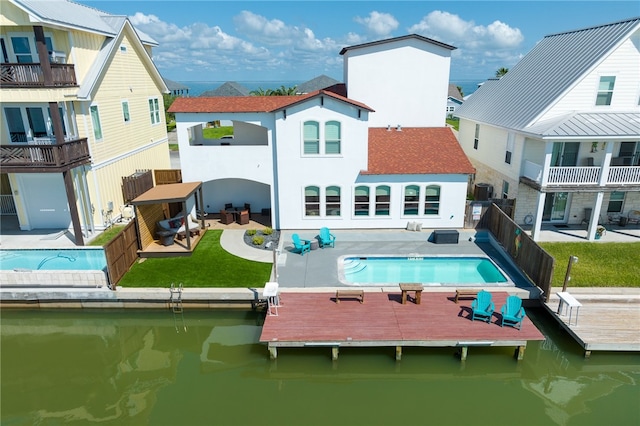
[209, 266]
[217, 132]
[106, 236]
[599, 264]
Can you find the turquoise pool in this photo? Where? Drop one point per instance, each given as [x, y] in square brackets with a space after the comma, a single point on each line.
[53, 259]
[436, 270]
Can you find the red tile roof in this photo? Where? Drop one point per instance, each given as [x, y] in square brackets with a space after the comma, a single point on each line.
[231, 104]
[416, 150]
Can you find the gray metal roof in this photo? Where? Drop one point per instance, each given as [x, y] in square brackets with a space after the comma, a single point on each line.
[174, 85]
[317, 83]
[229, 88]
[454, 92]
[394, 39]
[544, 75]
[585, 125]
[68, 14]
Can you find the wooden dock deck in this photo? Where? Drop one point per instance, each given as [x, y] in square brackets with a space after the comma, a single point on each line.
[608, 320]
[315, 319]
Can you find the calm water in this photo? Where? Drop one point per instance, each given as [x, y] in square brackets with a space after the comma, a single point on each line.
[438, 270]
[53, 259]
[141, 367]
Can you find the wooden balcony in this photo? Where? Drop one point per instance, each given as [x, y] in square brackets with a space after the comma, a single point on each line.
[32, 75]
[44, 158]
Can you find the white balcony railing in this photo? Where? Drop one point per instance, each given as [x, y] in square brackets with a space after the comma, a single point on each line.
[624, 174]
[583, 175]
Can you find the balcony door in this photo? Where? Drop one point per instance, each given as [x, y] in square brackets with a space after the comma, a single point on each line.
[565, 154]
[629, 153]
[555, 207]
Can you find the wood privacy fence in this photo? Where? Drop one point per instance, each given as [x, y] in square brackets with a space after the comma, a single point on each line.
[529, 256]
[476, 213]
[164, 177]
[136, 184]
[120, 253]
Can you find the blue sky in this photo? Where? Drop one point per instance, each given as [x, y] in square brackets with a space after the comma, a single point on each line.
[211, 40]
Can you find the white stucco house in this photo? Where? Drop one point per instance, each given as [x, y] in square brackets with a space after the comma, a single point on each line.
[377, 158]
[560, 132]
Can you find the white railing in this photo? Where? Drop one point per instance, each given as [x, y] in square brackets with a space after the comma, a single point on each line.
[574, 175]
[7, 206]
[624, 174]
[532, 171]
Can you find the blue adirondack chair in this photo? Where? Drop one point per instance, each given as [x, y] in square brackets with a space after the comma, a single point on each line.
[482, 307]
[512, 312]
[326, 238]
[299, 245]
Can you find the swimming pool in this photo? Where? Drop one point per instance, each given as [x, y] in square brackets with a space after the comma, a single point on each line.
[53, 259]
[427, 270]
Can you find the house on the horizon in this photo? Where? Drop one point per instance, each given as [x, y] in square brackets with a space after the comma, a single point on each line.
[175, 88]
[561, 130]
[454, 99]
[81, 109]
[229, 88]
[320, 82]
[379, 158]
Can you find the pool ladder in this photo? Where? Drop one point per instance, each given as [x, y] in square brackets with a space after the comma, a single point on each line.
[176, 305]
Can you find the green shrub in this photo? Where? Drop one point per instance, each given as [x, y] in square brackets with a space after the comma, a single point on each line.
[267, 231]
[251, 232]
[257, 240]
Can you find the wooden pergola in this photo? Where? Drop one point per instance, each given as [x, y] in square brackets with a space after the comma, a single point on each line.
[150, 210]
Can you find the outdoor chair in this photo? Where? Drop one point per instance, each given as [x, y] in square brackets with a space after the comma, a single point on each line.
[226, 217]
[243, 217]
[326, 238]
[247, 207]
[299, 245]
[482, 306]
[228, 206]
[512, 312]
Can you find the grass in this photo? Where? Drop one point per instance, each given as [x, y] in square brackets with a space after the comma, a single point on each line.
[173, 147]
[217, 132]
[599, 264]
[454, 122]
[209, 266]
[106, 236]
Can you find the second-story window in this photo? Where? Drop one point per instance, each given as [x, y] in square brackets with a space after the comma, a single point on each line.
[605, 90]
[126, 117]
[154, 110]
[332, 137]
[509, 151]
[95, 120]
[22, 50]
[311, 137]
[476, 137]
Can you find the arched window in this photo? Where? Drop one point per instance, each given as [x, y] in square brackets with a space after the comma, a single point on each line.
[311, 137]
[312, 201]
[333, 201]
[361, 202]
[332, 137]
[432, 200]
[411, 199]
[383, 200]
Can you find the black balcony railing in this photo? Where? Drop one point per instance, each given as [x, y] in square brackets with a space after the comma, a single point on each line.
[41, 158]
[32, 75]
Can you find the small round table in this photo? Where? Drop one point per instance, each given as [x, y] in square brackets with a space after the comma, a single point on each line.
[315, 244]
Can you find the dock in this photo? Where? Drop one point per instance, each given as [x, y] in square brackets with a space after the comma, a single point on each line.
[607, 320]
[381, 320]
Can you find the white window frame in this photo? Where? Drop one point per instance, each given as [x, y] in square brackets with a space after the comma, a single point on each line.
[93, 123]
[476, 137]
[326, 141]
[383, 202]
[414, 202]
[357, 203]
[621, 201]
[428, 203]
[154, 111]
[508, 156]
[317, 141]
[330, 205]
[126, 115]
[505, 189]
[306, 203]
[608, 92]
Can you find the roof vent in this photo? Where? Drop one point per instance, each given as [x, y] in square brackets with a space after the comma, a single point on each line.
[388, 127]
[399, 128]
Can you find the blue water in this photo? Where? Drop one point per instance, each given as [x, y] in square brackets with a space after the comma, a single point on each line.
[53, 259]
[427, 270]
[198, 87]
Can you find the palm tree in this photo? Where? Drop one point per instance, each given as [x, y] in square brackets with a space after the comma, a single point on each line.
[282, 91]
[501, 71]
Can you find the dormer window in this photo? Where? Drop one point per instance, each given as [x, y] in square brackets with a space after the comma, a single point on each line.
[605, 90]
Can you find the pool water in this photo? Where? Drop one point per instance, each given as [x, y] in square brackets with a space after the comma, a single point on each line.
[425, 270]
[53, 259]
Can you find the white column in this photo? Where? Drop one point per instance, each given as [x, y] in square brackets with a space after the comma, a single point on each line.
[595, 216]
[537, 222]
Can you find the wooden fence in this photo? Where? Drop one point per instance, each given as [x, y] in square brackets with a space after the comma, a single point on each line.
[164, 177]
[536, 263]
[136, 184]
[476, 213]
[120, 253]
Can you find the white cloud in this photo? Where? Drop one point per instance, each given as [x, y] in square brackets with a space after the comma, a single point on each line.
[378, 24]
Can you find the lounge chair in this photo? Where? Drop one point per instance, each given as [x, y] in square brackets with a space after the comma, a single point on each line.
[482, 306]
[226, 217]
[512, 312]
[299, 245]
[326, 238]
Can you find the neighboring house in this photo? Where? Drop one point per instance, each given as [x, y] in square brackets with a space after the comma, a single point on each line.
[81, 108]
[318, 83]
[315, 160]
[175, 88]
[454, 99]
[561, 130]
[229, 88]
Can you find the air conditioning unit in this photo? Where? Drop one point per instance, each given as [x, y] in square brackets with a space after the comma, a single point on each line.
[482, 192]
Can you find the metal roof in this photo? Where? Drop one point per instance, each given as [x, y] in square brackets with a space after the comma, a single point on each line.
[544, 75]
[74, 15]
[391, 40]
[584, 125]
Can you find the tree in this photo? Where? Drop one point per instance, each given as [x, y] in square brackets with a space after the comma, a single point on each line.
[460, 90]
[501, 71]
[282, 91]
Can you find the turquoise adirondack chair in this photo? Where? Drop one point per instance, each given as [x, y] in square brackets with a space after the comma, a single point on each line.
[299, 245]
[326, 238]
[482, 307]
[513, 312]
